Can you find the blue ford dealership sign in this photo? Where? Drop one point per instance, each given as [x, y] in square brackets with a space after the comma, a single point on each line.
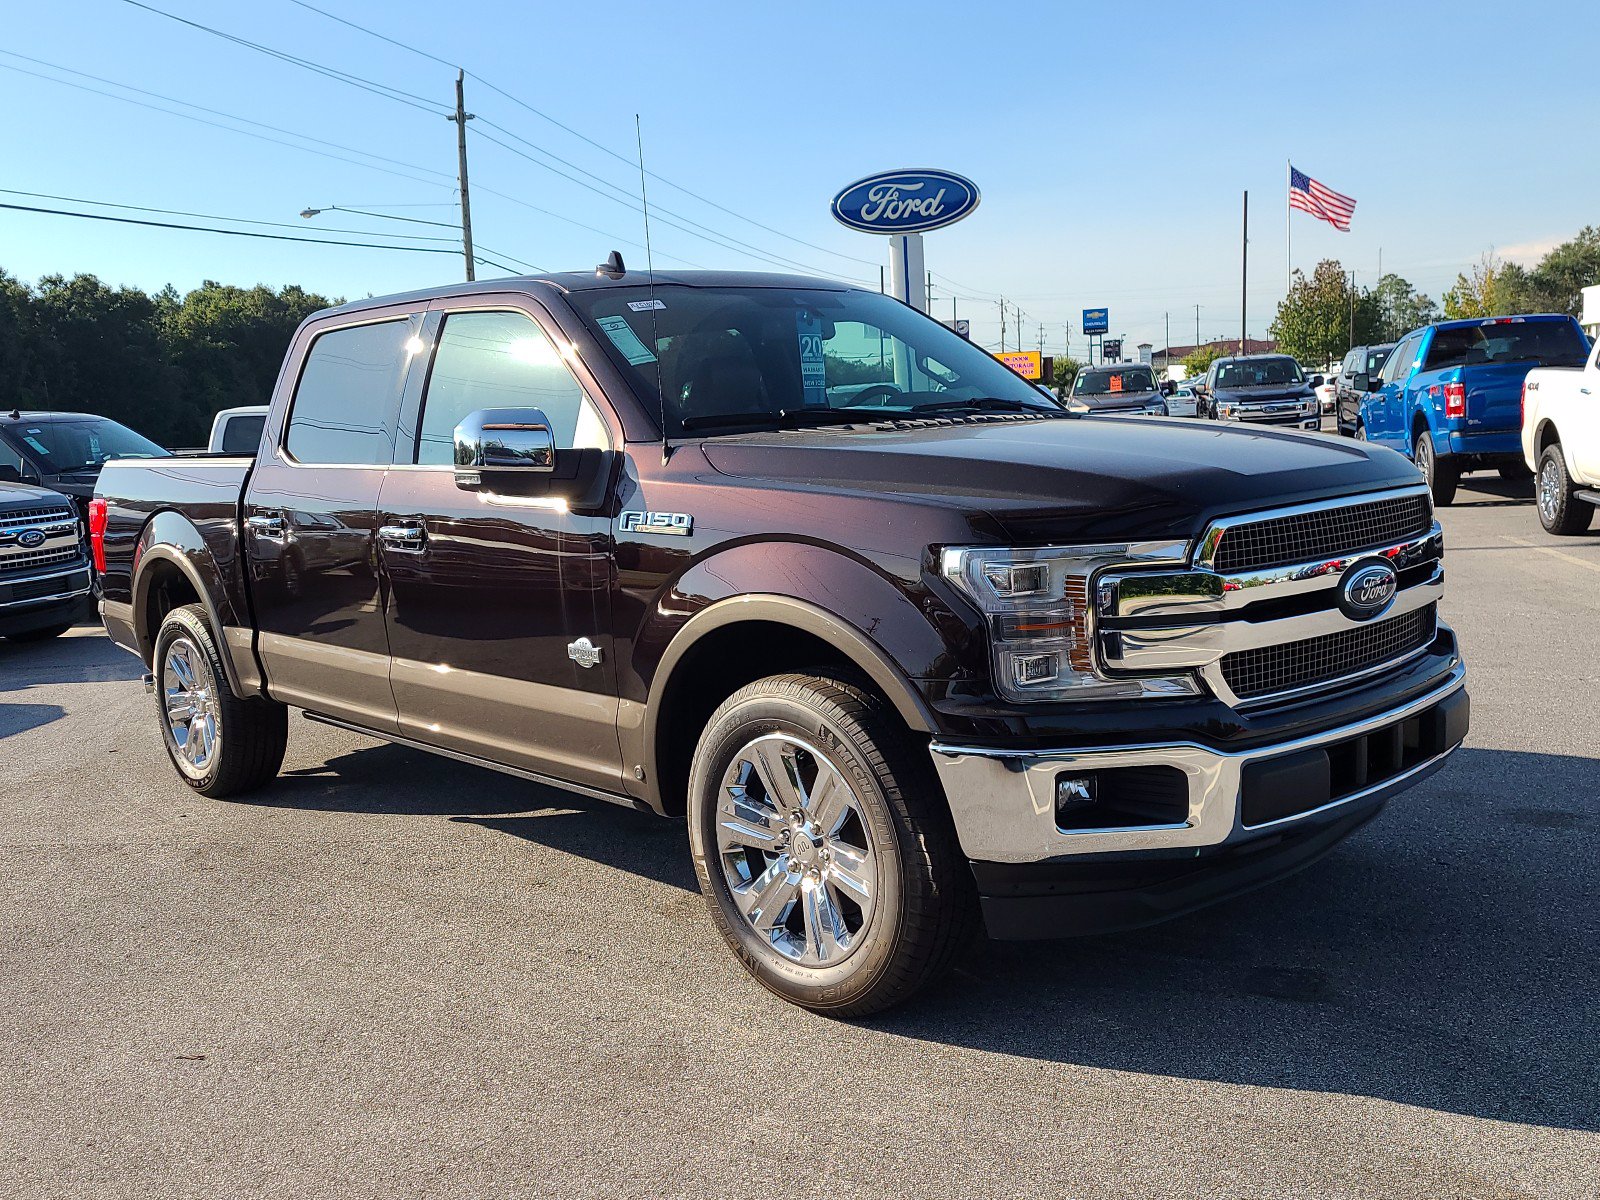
[911, 201]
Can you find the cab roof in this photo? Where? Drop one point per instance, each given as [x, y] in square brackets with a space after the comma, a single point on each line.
[591, 281]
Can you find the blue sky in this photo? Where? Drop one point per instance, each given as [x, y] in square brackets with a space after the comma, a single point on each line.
[1112, 143]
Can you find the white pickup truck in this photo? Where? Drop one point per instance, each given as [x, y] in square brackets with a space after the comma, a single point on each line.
[1561, 442]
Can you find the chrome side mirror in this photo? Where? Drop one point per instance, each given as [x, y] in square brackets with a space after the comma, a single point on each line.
[503, 441]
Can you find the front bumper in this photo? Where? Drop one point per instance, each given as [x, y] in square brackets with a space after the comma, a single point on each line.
[44, 600]
[1004, 801]
[1283, 418]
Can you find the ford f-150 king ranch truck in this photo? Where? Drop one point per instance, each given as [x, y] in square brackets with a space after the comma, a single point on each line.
[903, 654]
[1561, 442]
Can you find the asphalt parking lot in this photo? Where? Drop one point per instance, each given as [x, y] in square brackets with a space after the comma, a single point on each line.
[390, 975]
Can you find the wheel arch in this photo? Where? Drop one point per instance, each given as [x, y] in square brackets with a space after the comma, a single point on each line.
[734, 642]
[174, 566]
[1545, 435]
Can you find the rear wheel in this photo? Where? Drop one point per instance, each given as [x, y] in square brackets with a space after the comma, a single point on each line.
[1442, 475]
[828, 861]
[1560, 511]
[220, 743]
[1515, 472]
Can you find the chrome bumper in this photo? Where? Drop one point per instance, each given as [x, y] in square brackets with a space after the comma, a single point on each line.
[1003, 801]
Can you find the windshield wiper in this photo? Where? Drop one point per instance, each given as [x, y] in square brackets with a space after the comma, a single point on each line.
[789, 418]
[981, 404]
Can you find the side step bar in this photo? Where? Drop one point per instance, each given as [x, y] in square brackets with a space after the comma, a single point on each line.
[1587, 496]
[473, 760]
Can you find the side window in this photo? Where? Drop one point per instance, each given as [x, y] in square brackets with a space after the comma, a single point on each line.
[1403, 354]
[501, 360]
[10, 463]
[349, 395]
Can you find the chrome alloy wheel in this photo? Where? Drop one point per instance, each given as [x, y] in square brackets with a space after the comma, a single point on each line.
[193, 712]
[796, 851]
[1551, 487]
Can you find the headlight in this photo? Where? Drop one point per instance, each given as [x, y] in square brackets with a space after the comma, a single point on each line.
[1041, 634]
[1078, 406]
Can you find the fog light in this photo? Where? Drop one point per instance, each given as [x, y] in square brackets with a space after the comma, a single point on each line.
[1033, 668]
[1074, 793]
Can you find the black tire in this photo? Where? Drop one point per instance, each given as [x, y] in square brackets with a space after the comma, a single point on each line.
[924, 909]
[40, 635]
[1360, 432]
[247, 737]
[1515, 472]
[1442, 474]
[1560, 512]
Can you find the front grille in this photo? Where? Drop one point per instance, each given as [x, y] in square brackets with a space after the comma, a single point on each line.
[33, 516]
[1268, 670]
[34, 589]
[1321, 533]
[35, 560]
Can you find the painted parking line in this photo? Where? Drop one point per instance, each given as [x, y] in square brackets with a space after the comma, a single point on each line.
[1561, 554]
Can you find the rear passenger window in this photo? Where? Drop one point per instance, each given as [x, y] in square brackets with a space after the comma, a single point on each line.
[501, 360]
[349, 395]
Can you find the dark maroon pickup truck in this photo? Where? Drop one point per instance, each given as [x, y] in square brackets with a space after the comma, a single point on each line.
[908, 644]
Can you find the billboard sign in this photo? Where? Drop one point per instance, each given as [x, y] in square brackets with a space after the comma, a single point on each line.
[961, 326]
[1111, 348]
[910, 201]
[1096, 320]
[1027, 363]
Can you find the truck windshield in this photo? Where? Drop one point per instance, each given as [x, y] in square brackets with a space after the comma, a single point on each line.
[84, 443]
[1101, 381]
[1508, 340]
[1259, 372]
[727, 357]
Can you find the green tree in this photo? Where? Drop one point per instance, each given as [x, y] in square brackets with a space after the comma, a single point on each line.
[1323, 316]
[1401, 308]
[1556, 283]
[1199, 361]
[1066, 370]
[1492, 288]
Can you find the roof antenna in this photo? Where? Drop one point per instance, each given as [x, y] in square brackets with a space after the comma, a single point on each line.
[650, 270]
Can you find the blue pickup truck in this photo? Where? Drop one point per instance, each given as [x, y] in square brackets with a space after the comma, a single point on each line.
[1450, 396]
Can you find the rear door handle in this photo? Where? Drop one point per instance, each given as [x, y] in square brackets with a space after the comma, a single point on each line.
[408, 536]
[265, 526]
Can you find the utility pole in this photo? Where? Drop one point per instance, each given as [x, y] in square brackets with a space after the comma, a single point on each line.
[1166, 352]
[1352, 310]
[461, 117]
[1244, 275]
[1002, 325]
[1197, 327]
[1041, 339]
[930, 291]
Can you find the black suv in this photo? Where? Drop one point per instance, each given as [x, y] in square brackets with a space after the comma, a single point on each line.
[1357, 374]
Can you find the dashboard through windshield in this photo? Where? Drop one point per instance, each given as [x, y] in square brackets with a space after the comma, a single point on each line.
[734, 357]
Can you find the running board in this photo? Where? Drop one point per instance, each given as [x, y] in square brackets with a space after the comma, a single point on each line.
[1587, 496]
[474, 761]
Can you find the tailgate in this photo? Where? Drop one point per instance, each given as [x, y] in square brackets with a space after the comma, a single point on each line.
[1494, 395]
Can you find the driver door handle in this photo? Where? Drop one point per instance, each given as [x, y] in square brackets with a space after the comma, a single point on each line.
[264, 525]
[407, 536]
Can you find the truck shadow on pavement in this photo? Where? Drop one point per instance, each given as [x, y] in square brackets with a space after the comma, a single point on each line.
[1444, 957]
[84, 656]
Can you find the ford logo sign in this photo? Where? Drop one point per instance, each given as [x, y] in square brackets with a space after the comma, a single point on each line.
[1367, 589]
[31, 539]
[911, 201]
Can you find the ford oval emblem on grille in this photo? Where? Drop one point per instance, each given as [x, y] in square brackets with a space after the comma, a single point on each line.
[31, 539]
[1367, 589]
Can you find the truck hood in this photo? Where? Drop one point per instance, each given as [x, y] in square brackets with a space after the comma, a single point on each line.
[1267, 393]
[24, 495]
[1061, 480]
[1117, 401]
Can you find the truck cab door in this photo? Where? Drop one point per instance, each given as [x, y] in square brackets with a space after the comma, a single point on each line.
[1585, 421]
[499, 605]
[311, 518]
[1383, 407]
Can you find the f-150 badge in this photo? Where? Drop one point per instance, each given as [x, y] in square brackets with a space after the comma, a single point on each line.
[677, 524]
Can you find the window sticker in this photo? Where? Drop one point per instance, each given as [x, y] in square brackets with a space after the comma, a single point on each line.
[37, 445]
[645, 305]
[1116, 383]
[626, 340]
[813, 363]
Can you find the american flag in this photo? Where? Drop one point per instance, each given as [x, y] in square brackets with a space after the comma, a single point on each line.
[1306, 194]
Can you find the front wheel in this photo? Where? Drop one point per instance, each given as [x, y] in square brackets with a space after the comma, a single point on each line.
[1442, 476]
[821, 842]
[1560, 512]
[220, 743]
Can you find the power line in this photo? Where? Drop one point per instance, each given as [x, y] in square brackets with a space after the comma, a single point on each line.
[368, 85]
[228, 116]
[544, 116]
[249, 233]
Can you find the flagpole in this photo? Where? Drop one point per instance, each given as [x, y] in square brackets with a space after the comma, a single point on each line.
[1288, 225]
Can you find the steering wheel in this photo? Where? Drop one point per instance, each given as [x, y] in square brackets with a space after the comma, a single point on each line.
[883, 392]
